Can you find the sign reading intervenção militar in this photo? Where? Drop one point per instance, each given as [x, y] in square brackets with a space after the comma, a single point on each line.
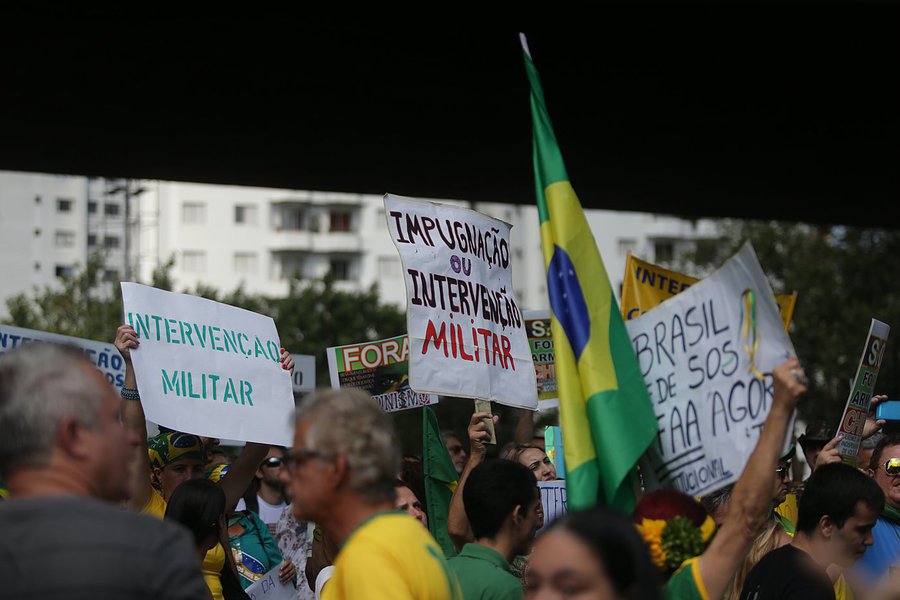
[466, 331]
[707, 356]
[208, 368]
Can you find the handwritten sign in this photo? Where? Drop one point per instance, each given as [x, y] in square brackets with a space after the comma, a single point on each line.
[270, 587]
[466, 331]
[208, 368]
[647, 285]
[381, 368]
[553, 499]
[854, 418]
[540, 339]
[104, 356]
[707, 355]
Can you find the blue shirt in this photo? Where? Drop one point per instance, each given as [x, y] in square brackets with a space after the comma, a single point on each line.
[884, 551]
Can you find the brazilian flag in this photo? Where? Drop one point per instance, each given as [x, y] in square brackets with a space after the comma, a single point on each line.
[606, 415]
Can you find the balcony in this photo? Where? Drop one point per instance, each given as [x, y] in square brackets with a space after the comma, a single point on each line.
[308, 241]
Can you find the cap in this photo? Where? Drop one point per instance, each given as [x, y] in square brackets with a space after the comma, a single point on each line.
[818, 430]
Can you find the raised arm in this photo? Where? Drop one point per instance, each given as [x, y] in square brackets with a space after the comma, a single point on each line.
[133, 415]
[751, 501]
[457, 521]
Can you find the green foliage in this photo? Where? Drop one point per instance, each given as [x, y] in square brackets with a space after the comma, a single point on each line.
[844, 277]
[681, 540]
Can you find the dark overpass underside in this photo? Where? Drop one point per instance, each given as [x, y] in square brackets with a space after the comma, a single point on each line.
[761, 110]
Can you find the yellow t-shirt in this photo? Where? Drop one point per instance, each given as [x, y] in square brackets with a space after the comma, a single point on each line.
[212, 562]
[788, 508]
[391, 557]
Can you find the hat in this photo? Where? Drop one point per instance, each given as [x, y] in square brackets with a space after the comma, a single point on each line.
[818, 430]
[166, 448]
[674, 526]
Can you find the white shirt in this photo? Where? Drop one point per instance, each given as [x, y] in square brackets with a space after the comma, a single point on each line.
[268, 513]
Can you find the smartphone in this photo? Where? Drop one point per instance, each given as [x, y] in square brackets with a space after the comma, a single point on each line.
[889, 410]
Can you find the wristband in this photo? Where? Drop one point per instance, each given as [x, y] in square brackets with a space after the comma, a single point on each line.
[130, 393]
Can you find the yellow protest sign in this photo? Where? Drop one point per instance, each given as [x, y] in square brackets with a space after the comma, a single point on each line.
[646, 285]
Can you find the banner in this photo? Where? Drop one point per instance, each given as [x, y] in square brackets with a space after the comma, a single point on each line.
[647, 285]
[208, 368]
[854, 417]
[554, 500]
[540, 339]
[466, 332]
[271, 588]
[103, 355]
[706, 356]
[380, 368]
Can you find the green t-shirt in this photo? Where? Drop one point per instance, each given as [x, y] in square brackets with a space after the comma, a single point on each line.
[484, 574]
[685, 583]
[255, 550]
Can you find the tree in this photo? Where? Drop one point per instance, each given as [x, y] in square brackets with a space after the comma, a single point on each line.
[844, 277]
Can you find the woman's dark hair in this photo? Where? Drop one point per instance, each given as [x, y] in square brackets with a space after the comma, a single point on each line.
[614, 541]
[197, 504]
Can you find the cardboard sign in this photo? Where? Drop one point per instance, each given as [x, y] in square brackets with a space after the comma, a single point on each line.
[381, 368]
[269, 587]
[647, 285]
[466, 331]
[104, 356]
[208, 368]
[304, 378]
[706, 356]
[553, 499]
[854, 418]
[540, 339]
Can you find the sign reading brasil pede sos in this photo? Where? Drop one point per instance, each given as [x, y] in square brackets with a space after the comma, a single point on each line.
[707, 356]
[466, 331]
[208, 368]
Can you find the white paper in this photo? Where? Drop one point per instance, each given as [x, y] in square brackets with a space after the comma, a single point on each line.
[466, 330]
[269, 587]
[208, 368]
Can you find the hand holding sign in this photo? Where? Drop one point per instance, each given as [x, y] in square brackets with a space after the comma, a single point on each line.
[829, 453]
[478, 432]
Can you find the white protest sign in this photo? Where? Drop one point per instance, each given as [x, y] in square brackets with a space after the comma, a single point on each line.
[208, 368]
[304, 378]
[553, 499]
[694, 351]
[104, 356]
[466, 331]
[271, 588]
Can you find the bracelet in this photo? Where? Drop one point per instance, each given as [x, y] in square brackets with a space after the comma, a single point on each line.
[130, 393]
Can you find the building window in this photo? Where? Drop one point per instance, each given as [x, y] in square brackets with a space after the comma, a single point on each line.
[64, 205]
[65, 239]
[111, 210]
[245, 215]
[193, 261]
[111, 242]
[293, 219]
[193, 213]
[663, 251]
[388, 267]
[245, 263]
[64, 271]
[92, 207]
[111, 275]
[627, 246]
[340, 221]
[340, 269]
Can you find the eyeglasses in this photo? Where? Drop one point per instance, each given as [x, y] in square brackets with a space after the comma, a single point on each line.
[273, 461]
[785, 469]
[294, 458]
[892, 467]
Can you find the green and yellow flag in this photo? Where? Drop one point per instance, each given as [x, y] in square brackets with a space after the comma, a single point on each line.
[440, 480]
[606, 415]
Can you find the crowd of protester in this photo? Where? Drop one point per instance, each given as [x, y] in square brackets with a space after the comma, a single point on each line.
[96, 508]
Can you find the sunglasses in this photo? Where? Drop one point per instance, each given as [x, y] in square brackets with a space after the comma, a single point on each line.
[273, 461]
[892, 467]
[784, 470]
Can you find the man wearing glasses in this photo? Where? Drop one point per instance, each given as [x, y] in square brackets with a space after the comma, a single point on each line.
[340, 474]
[884, 468]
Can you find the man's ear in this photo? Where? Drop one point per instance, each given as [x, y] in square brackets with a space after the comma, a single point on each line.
[870, 473]
[517, 515]
[826, 526]
[70, 438]
[340, 470]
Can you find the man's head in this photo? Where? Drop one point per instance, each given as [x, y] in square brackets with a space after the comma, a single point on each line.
[884, 468]
[817, 434]
[501, 497]
[456, 449]
[867, 448]
[343, 446]
[175, 458]
[269, 471]
[716, 504]
[838, 509]
[58, 413]
[782, 479]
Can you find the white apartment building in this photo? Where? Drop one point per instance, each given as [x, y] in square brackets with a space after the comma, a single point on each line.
[261, 238]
